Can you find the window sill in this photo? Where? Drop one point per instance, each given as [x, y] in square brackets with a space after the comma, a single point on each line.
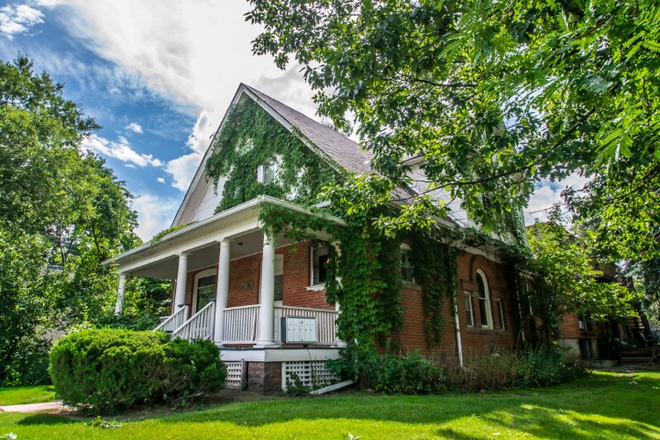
[315, 288]
[485, 330]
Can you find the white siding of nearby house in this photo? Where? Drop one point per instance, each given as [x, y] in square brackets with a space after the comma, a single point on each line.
[209, 201]
[420, 184]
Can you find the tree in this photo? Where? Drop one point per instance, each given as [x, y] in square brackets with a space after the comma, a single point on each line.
[495, 96]
[570, 277]
[62, 212]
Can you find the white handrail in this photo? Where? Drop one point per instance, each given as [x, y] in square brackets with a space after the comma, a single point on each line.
[199, 326]
[174, 321]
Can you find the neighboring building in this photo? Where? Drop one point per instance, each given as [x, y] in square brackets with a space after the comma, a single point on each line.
[235, 287]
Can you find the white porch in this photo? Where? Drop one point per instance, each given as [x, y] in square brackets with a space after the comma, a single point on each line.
[217, 242]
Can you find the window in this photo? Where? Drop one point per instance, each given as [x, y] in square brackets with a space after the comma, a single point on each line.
[205, 288]
[585, 323]
[469, 313]
[484, 301]
[267, 173]
[406, 264]
[279, 277]
[500, 313]
[319, 265]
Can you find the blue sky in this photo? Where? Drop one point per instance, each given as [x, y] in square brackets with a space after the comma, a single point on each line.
[157, 75]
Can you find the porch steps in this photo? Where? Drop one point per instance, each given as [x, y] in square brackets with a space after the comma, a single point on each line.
[641, 355]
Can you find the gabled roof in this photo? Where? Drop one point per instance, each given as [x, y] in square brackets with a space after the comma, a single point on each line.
[341, 149]
[323, 140]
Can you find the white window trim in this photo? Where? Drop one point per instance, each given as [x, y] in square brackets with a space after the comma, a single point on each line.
[313, 285]
[489, 308]
[261, 169]
[500, 313]
[202, 274]
[468, 296]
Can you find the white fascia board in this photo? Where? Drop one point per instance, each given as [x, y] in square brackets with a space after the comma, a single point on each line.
[243, 218]
[278, 354]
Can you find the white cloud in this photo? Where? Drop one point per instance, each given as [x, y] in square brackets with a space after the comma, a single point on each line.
[548, 194]
[18, 19]
[119, 150]
[155, 214]
[195, 53]
[160, 180]
[134, 127]
[182, 169]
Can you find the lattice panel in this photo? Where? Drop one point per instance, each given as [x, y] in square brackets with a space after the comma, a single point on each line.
[234, 374]
[312, 374]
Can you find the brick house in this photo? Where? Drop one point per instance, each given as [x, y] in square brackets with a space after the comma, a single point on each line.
[261, 299]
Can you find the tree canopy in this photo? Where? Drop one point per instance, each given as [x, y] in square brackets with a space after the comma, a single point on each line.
[494, 96]
[62, 212]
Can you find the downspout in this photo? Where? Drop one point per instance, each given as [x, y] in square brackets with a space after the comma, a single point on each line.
[457, 327]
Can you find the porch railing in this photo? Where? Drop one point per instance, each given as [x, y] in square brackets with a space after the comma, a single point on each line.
[174, 321]
[199, 326]
[325, 322]
[241, 324]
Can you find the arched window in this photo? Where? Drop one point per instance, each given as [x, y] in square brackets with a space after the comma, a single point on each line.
[484, 301]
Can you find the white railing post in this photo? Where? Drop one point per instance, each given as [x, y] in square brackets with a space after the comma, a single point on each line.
[222, 292]
[182, 274]
[267, 292]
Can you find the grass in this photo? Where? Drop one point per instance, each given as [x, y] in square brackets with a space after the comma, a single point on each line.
[19, 395]
[602, 406]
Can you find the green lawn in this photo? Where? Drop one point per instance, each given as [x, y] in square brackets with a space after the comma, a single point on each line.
[19, 395]
[603, 406]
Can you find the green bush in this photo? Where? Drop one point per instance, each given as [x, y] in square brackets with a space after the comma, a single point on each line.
[414, 374]
[108, 370]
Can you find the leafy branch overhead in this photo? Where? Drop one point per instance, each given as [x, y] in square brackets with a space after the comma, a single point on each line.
[493, 96]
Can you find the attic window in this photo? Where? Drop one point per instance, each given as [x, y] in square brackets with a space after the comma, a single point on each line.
[267, 173]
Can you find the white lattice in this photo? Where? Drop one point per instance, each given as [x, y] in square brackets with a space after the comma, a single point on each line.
[234, 374]
[312, 374]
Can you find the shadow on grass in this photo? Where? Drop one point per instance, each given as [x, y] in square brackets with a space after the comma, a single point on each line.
[45, 419]
[600, 406]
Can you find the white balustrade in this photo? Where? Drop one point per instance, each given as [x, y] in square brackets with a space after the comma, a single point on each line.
[325, 322]
[174, 321]
[241, 325]
[199, 326]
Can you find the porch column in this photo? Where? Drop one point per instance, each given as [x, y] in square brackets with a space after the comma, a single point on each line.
[182, 275]
[222, 292]
[121, 293]
[267, 292]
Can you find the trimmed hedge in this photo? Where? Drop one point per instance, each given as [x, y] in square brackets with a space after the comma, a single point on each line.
[107, 370]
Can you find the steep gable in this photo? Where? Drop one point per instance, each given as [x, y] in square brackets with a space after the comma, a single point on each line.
[258, 129]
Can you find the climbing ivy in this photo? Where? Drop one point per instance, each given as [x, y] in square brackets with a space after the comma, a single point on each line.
[435, 269]
[250, 138]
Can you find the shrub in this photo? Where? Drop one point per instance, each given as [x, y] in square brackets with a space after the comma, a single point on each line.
[411, 374]
[109, 369]
[414, 374]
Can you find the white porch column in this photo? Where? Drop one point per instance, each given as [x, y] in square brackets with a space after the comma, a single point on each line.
[267, 293]
[121, 293]
[182, 275]
[222, 292]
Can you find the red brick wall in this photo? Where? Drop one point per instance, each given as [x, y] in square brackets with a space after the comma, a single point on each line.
[474, 340]
[244, 279]
[569, 328]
